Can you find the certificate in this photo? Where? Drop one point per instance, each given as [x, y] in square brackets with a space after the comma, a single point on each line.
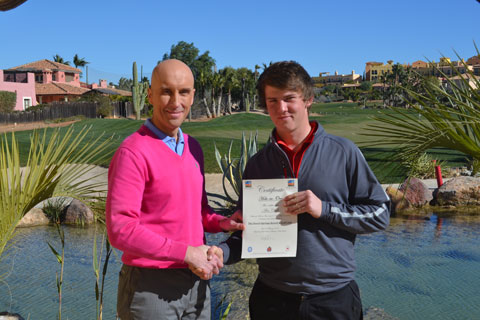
[269, 231]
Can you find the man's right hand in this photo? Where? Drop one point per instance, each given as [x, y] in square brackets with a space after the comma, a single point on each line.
[213, 252]
[196, 258]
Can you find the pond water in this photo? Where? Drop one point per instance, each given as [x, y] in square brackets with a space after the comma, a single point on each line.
[416, 269]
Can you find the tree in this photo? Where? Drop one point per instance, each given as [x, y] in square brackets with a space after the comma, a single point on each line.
[247, 81]
[366, 86]
[183, 51]
[79, 62]
[7, 101]
[189, 54]
[56, 168]
[203, 83]
[231, 82]
[125, 84]
[59, 59]
[217, 91]
[447, 118]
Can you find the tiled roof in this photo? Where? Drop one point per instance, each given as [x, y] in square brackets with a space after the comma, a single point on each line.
[56, 88]
[473, 60]
[120, 92]
[46, 64]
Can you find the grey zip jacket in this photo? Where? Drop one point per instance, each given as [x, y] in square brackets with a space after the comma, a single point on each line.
[353, 202]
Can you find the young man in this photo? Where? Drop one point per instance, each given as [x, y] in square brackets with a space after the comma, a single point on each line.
[157, 209]
[339, 197]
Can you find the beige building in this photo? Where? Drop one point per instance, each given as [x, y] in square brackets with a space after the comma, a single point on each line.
[374, 70]
[337, 79]
[445, 67]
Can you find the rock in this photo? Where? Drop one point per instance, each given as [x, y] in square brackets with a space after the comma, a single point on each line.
[34, 217]
[10, 316]
[416, 192]
[78, 213]
[459, 191]
[397, 198]
[374, 313]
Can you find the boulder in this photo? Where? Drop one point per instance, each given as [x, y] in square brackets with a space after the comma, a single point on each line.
[10, 316]
[459, 191]
[397, 199]
[78, 213]
[416, 192]
[34, 217]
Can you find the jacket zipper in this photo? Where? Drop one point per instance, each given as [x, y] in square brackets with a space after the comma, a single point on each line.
[283, 161]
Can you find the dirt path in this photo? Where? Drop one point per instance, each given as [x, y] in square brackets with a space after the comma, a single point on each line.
[32, 125]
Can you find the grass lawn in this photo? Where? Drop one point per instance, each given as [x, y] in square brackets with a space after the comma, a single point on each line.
[343, 119]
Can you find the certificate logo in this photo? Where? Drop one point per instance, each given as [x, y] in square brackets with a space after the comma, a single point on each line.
[250, 249]
[269, 249]
[248, 184]
[287, 248]
[291, 183]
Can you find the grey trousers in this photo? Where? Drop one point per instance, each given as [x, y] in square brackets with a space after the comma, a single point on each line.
[162, 294]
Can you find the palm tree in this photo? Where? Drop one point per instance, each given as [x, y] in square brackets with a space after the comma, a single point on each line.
[217, 91]
[231, 82]
[447, 116]
[79, 62]
[56, 167]
[59, 59]
[203, 81]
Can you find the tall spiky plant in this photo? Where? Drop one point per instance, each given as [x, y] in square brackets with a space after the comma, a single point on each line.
[139, 92]
[57, 166]
[97, 261]
[232, 168]
[445, 115]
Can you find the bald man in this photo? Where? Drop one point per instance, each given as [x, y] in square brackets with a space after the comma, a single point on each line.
[157, 209]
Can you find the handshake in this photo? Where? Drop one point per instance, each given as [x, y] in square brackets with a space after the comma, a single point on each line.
[204, 261]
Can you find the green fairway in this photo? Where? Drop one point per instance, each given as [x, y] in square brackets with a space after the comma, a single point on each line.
[346, 120]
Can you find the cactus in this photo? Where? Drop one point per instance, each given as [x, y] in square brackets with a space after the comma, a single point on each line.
[139, 92]
[232, 168]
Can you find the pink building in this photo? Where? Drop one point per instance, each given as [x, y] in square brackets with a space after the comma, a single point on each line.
[53, 81]
[46, 81]
[23, 84]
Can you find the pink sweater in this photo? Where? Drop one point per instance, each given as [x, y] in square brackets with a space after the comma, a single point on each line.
[156, 203]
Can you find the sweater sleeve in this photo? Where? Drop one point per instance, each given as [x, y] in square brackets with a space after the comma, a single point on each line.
[368, 207]
[126, 182]
[210, 219]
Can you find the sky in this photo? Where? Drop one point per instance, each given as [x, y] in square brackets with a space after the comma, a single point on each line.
[323, 36]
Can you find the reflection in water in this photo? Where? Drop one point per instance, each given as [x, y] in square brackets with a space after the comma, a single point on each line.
[417, 269]
[422, 269]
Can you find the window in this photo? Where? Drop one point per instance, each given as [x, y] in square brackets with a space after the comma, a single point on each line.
[27, 103]
[54, 77]
[69, 77]
[39, 78]
[14, 76]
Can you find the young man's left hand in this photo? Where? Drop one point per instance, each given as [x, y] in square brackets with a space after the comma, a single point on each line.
[234, 222]
[303, 201]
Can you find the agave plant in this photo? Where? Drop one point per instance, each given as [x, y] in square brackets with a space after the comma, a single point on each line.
[57, 166]
[232, 168]
[445, 115]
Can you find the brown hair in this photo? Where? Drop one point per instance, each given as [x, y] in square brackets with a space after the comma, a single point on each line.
[285, 75]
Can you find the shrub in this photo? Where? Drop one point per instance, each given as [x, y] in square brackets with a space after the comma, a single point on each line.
[104, 107]
[39, 106]
[7, 101]
[421, 167]
[54, 209]
[232, 168]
